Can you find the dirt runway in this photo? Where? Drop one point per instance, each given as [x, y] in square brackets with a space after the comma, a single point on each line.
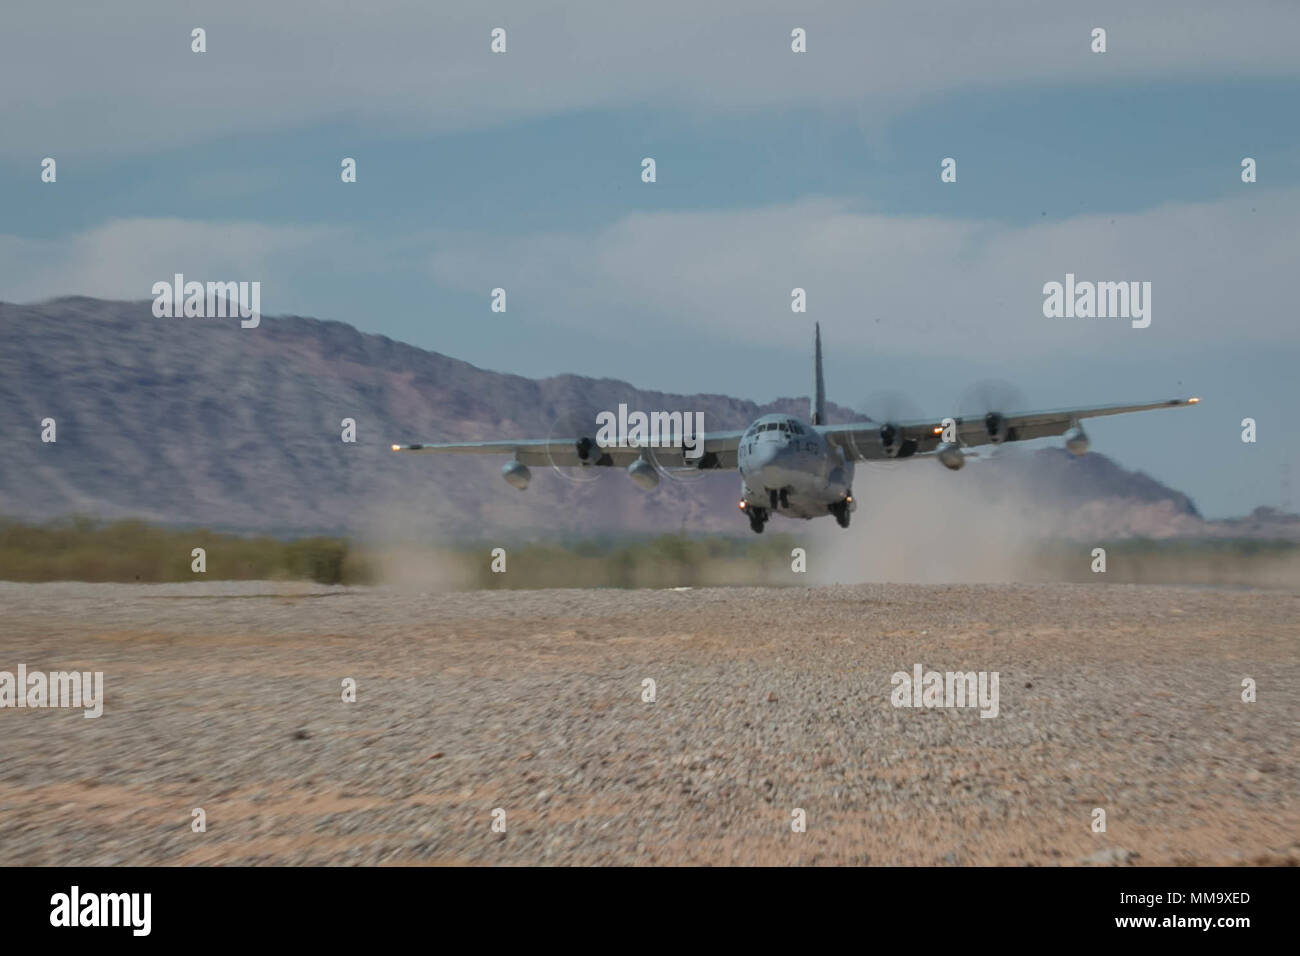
[228, 697]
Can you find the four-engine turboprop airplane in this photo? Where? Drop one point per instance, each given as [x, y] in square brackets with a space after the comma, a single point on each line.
[791, 468]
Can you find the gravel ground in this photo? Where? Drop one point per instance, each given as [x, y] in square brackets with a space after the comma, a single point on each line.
[227, 697]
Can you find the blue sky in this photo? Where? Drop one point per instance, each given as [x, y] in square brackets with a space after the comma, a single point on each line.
[775, 170]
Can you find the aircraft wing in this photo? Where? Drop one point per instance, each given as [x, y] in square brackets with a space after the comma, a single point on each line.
[867, 441]
[719, 451]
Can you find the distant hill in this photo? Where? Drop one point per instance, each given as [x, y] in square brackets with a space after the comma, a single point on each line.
[200, 422]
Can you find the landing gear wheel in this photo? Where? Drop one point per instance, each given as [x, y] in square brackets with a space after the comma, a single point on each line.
[774, 498]
[785, 498]
[842, 513]
[757, 518]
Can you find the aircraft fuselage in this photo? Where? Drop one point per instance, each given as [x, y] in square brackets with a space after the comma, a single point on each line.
[779, 453]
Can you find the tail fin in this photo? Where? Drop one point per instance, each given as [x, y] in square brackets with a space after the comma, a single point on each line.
[819, 388]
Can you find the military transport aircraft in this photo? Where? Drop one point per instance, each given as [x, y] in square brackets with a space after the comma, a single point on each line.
[789, 467]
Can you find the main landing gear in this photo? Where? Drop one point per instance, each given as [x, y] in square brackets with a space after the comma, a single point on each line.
[840, 510]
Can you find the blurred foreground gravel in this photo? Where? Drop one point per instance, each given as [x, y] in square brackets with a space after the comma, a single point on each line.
[227, 696]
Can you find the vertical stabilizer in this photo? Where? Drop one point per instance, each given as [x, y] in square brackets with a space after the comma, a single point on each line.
[819, 386]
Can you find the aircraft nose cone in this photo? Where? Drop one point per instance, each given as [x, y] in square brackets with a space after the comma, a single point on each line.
[765, 454]
[767, 462]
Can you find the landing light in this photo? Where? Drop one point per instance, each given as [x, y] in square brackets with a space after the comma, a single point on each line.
[742, 506]
[938, 429]
[1192, 401]
[397, 448]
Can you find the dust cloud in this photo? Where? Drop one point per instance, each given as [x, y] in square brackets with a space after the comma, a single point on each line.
[408, 549]
[929, 526]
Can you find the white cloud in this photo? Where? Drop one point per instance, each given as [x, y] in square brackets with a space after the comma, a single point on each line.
[72, 78]
[123, 258]
[1220, 271]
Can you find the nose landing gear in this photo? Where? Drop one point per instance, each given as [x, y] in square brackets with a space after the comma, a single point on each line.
[840, 509]
[757, 518]
[778, 498]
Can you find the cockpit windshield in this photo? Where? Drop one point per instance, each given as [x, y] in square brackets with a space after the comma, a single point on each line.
[788, 427]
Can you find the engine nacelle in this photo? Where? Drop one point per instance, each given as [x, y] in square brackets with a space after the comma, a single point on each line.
[516, 474]
[995, 425]
[889, 439]
[893, 444]
[951, 455]
[644, 474]
[1076, 440]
